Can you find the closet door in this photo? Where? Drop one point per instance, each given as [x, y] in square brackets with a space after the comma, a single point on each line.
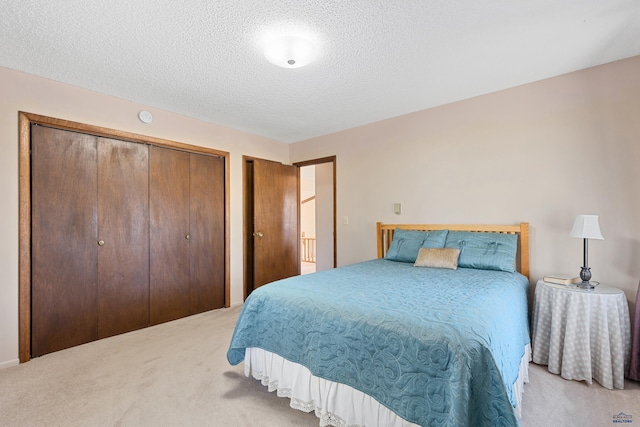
[64, 245]
[123, 237]
[169, 234]
[206, 231]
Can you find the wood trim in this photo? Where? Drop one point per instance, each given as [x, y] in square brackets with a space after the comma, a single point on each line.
[329, 159]
[119, 134]
[302, 202]
[227, 233]
[24, 238]
[384, 236]
[25, 120]
[247, 225]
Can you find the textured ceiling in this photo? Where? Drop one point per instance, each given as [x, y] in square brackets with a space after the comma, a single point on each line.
[378, 58]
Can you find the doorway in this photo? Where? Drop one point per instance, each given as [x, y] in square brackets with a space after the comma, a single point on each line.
[272, 240]
[317, 215]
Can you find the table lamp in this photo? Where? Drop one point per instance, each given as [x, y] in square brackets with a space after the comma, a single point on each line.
[586, 227]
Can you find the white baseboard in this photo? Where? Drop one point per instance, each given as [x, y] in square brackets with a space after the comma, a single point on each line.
[9, 363]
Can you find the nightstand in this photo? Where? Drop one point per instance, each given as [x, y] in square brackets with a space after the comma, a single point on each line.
[582, 334]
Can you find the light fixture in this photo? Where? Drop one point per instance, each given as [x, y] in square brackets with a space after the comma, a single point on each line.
[586, 227]
[289, 51]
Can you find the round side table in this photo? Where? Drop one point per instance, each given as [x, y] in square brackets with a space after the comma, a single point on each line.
[582, 334]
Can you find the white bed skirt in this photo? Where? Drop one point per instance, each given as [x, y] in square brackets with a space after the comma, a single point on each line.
[336, 404]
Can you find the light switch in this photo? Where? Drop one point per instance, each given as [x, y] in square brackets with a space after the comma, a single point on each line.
[397, 208]
[345, 220]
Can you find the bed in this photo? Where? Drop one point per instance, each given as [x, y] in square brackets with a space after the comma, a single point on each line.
[433, 332]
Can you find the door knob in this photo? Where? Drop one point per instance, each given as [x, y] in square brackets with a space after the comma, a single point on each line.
[100, 242]
[258, 234]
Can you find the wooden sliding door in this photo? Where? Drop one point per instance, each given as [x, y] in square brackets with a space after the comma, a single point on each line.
[64, 250]
[90, 253]
[117, 231]
[187, 233]
[206, 228]
[123, 237]
[169, 208]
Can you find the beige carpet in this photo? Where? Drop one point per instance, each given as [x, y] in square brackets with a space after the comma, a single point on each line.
[176, 374]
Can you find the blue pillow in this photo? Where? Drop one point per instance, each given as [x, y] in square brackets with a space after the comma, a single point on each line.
[407, 243]
[484, 251]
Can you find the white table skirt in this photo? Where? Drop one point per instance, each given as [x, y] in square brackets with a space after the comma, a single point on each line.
[580, 334]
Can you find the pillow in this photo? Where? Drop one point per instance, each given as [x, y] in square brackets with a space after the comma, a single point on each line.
[485, 251]
[407, 243]
[438, 258]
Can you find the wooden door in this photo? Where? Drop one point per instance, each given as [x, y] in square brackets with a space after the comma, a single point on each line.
[123, 236]
[64, 239]
[206, 231]
[275, 222]
[169, 234]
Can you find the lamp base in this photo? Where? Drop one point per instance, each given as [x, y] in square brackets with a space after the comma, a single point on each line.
[585, 275]
[586, 285]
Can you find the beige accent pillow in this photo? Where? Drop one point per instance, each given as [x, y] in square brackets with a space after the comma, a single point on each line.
[438, 258]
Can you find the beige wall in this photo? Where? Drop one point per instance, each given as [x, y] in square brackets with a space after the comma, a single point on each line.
[24, 92]
[540, 153]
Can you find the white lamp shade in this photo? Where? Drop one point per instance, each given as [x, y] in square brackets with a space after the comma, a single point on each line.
[586, 227]
[290, 51]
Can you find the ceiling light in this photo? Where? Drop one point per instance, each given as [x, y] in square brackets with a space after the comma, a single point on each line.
[290, 51]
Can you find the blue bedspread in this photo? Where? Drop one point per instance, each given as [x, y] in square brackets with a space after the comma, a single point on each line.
[436, 346]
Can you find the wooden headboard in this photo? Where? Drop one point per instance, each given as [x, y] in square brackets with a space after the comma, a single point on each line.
[385, 236]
